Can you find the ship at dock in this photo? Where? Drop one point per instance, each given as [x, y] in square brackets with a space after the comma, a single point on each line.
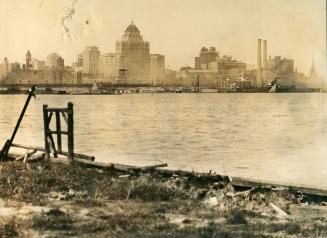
[275, 87]
[245, 86]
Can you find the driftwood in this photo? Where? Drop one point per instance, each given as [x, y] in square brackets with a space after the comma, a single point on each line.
[243, 193]
[27, 154]
[35, 158]
[32, 158]
[76, 155]
[118, 167]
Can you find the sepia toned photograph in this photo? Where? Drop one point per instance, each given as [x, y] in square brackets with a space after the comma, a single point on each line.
[163, 118]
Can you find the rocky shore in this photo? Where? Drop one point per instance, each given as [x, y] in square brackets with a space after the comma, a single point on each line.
[46, 199]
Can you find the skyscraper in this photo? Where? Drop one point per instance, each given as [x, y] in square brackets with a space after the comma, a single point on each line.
[28, 60]
[157, 68]
[91, 56]
[134, 54]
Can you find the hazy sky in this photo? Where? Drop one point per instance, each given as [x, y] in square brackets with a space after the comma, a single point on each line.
[176, 28]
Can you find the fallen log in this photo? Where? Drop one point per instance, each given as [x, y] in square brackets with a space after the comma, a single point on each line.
[118, 167]
[152, 167]
[76, 155]
[35, 158]
[79, 156]
[243, 193]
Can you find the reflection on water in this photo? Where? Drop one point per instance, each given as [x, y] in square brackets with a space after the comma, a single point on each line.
[279, 137]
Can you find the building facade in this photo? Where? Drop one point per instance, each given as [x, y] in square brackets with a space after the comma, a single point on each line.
[210, 68]
[134, 54]
[90, 60]
[109, 65]
[280, 67]
[37, 64]
[28, 60]
[207, 57]
[54, 61]
[4, 68]
[157, 68]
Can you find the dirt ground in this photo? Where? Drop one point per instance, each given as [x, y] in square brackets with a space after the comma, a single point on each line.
[56, 200]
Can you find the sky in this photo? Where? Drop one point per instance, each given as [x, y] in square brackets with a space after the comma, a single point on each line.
[177, 29]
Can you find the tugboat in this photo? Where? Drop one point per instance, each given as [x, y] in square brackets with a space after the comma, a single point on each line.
[243, 86]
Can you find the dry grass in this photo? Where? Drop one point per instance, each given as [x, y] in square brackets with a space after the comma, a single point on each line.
[102, 204]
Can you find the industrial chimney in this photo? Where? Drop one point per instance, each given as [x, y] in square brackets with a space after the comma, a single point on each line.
[264, 62]
[259, 65]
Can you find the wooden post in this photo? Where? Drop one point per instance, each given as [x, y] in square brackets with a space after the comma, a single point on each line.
[70, 138]
[48, 134]
[6, 147]
[58, 128]
[46, 129]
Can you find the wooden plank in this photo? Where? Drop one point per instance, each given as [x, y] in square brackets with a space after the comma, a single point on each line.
[78, 155]
[58, 129]
[27, 154]
[49, 118]
[28, 147]
[151, 167]
[70, 130]
[57, 132]
[117, 167]
[64, 116]
[93, 164]
[55, 154]
[46, 128]
[50, 109]
[249, 183]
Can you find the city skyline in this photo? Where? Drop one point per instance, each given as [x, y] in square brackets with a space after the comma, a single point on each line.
[90, 26]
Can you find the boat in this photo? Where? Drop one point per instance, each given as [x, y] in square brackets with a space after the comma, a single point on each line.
[242, 86]
[275, 87]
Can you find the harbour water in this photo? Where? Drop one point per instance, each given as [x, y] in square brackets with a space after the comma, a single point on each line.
[276, 137]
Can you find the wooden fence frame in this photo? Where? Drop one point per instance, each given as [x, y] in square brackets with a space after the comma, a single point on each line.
[68, 115]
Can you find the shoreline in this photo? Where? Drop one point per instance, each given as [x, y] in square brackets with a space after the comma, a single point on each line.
[113, 94]
[43, 197]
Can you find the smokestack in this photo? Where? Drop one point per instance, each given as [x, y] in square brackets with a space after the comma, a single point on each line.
[264, 62]
[259, 65]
